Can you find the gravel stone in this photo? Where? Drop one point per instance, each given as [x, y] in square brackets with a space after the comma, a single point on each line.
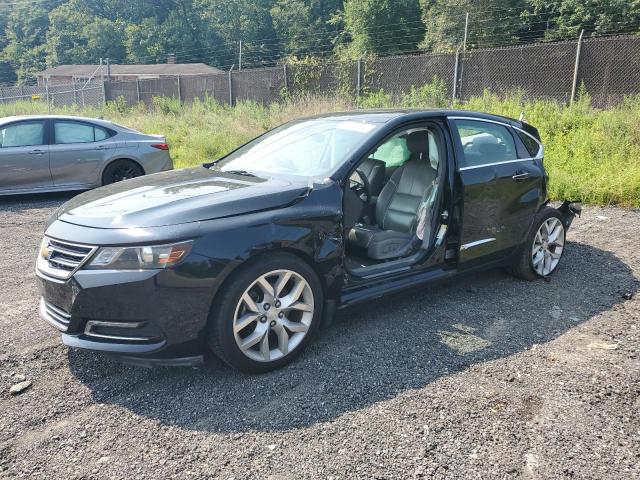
[485, 376]
[19, 387]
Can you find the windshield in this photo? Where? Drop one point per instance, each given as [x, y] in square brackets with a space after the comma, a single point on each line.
[311, 148]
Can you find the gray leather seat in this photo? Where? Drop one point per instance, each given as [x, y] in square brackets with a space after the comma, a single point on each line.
[396, 208]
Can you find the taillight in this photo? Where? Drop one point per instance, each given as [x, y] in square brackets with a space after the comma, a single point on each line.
[161, 146]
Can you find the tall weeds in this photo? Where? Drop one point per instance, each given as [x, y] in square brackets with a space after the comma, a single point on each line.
[591, 154]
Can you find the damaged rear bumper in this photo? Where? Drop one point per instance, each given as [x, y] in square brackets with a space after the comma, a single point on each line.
[569, 209]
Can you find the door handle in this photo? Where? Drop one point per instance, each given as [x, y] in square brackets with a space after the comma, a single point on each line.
[37, 152]
[520, 176]
[101, 147]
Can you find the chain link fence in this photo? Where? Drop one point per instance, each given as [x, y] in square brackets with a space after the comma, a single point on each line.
[540, 71]
[608, 69]
[82, 94]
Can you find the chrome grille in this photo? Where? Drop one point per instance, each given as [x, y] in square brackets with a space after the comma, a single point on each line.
[56, 316]
[61, 259]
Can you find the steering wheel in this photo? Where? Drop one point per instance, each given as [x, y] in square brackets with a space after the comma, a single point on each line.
[360, 185]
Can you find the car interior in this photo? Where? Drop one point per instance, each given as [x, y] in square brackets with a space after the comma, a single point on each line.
[390, 199]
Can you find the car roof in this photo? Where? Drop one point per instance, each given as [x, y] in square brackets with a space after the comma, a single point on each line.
[99, 121]
[385, 115]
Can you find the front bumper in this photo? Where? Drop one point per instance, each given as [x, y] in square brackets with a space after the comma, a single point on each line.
[148, 316]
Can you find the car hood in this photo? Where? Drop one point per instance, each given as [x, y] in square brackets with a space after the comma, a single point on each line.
[178, 196]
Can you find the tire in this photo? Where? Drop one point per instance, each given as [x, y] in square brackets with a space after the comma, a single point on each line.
[119, 170]
[539, 257]
[247, 311]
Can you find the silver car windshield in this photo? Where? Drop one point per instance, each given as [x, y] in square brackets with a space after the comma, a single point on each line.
[311, 148]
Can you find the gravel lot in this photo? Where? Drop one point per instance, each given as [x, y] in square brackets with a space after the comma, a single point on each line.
[485, 377]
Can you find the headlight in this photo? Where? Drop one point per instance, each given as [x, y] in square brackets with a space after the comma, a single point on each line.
[137, 258]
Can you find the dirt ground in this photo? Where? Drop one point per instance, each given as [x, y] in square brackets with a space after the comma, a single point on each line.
[483, 377]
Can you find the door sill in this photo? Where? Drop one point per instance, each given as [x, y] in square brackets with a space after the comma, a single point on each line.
[385, 268]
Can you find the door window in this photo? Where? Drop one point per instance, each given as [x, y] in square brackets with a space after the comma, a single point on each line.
[75, 132]
[484, 143]
[22, 134]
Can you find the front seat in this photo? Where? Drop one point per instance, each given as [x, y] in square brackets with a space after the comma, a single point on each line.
[394, 235]
[374, 170]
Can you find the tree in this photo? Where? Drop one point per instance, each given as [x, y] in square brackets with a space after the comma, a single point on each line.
[76, 36]
[24, 37]
[491, 22]
[560, 19]
[246, 20]
[306, 27]
[382, 26]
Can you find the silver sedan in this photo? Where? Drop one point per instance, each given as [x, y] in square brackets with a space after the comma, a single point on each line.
[54, 153]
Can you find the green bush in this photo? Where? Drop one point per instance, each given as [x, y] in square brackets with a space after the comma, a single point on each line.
[430, 95]
[591, 154]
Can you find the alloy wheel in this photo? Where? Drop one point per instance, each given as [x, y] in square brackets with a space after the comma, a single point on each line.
[124, 172]
[273, 315]
[547, 246]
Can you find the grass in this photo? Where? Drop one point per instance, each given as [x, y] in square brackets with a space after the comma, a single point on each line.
[591, 154]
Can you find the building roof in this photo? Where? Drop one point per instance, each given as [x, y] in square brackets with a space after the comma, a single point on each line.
[134, 70]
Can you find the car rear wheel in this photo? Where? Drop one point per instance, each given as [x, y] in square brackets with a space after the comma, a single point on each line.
[266, 314]
[121, 170]
[544, 247]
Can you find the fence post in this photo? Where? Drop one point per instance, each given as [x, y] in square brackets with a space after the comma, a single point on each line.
[104, 92]
[455, 76]
[138, 89]
[358, 79]
[466, 31]
[46, 89]
[574, 85]
[179, 88]
[360, 74]
[286, 81]
[231, 87]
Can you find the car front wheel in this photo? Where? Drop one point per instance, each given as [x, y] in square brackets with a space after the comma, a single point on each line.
[544, 246]
[266, 314]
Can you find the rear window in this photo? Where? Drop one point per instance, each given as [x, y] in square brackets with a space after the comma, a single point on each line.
[530, 144]
[125, 128]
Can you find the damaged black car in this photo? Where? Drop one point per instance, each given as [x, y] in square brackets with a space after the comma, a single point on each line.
[250, 255]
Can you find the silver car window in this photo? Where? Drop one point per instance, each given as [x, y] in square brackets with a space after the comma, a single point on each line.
[75, 132]
[100, 134]
[22, 134]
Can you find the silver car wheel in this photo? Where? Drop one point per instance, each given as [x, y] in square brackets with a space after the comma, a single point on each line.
[273, 315]
[547, 246]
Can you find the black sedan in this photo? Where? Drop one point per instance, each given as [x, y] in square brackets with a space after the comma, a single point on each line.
[250, 254]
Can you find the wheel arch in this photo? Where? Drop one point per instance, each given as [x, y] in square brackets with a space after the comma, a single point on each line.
[115, 159]
[235, 270]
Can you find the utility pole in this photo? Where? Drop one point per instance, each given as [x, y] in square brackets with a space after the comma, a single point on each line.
[466, 31]
[240, 56]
